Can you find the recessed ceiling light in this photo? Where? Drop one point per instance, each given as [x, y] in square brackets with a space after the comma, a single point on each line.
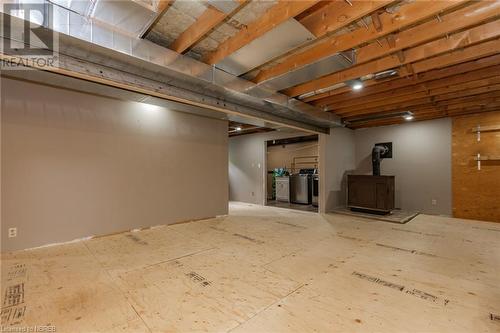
[238, 128]
[357, 86]
[408, 117]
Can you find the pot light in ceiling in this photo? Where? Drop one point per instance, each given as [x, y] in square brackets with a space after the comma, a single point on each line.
[408, 116]
[355, 84]
[238, 128]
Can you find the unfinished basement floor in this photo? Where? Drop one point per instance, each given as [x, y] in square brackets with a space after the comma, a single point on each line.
[264, 269]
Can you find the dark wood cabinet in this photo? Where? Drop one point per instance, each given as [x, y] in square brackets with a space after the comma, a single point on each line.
[372, 193]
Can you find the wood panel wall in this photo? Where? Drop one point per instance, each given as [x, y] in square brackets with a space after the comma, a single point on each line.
[476, 193]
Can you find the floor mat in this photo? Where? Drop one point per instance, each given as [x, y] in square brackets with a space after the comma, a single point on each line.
[396, 216]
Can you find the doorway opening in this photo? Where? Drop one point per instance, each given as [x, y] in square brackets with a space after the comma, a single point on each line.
[292, 167]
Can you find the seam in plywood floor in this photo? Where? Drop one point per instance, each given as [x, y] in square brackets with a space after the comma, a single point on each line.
[334, 272]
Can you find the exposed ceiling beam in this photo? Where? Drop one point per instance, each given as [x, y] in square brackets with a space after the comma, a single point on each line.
[338, 14]
[421, 103]
[161, 9]
[458, 56]
[432, 49]
[408, 14]
[426, 87]
[392, 85]
[144, 84]
[273, 17]
[455, 21]
[435, 95]
[312, 10]
[414, 107]
[458, 108]
[205, 23]
[446, 105]
[434, 115]
[431, 114]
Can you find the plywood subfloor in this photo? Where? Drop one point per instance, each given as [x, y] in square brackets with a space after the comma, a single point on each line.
[264, 269]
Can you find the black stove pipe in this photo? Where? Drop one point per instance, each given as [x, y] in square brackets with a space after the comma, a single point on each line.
[377, 153]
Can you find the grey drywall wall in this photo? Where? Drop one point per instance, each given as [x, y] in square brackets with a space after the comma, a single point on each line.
[75, 165]
[336, 160]
[247, 158]
[421, 162]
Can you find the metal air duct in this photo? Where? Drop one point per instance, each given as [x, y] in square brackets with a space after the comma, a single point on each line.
[328, 65]
[180, 68]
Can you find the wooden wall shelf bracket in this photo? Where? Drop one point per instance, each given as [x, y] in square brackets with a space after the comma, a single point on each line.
[486, 158]
[489, 128]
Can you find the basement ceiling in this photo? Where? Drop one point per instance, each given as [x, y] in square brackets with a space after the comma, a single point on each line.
[404, 38]
[443, 56]
[182, 14]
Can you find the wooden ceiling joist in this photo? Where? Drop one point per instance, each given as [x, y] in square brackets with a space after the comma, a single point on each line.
[466, 101]
[421, 103]
[444, 106]
[272, 18]
[434, 115]
[437, 113]
[458, 56]
[206, 22]
[338, 14]
[442, 112]
[454, 21]
[482, 86]
[469, 79]
[415, 54]
[468, 89]
[442, 94]
[457, 108]
[393, 85]
[407, 15]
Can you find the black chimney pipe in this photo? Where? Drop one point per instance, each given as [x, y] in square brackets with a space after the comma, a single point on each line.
[377, 153]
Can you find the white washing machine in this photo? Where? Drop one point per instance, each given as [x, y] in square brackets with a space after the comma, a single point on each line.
[282, 187]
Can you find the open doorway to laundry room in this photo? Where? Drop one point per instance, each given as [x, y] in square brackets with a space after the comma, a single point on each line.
[292, 169]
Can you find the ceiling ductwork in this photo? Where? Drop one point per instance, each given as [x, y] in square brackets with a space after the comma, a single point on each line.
[225, 6]
[129, 17]
[328, 65]
[89, 29]
[280, 40]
